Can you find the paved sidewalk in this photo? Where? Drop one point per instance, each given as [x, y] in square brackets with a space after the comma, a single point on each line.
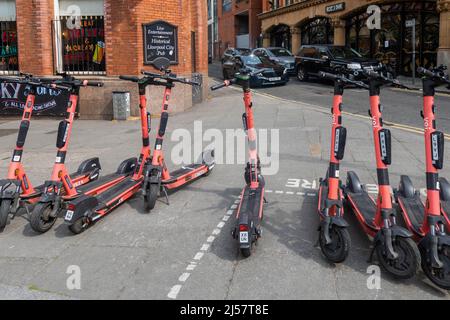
[185, 250]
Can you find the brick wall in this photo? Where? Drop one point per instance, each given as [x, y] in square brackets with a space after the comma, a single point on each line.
[124, 47]
[227, 26]
[34, 33]
[124, 39]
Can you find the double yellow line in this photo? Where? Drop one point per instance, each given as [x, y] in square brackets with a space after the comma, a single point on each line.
[315, 107]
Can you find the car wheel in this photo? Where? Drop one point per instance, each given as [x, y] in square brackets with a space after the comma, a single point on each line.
[301, 74]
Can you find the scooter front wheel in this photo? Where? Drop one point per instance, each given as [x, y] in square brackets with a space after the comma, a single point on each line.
[337, 250]
[439, 276]
[41, 219]
[151, 195]
[407, 263]
[5, 208]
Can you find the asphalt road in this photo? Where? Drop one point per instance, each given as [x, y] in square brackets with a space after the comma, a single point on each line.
[400, 106]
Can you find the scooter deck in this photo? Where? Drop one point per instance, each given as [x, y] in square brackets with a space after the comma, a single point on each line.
[177, 174]
[415, 211]
[251, 203]
[99, 182]
[364, 207]
[109, 196]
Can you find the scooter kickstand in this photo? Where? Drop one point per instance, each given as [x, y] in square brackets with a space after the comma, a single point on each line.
[166, 195]
[265, 201]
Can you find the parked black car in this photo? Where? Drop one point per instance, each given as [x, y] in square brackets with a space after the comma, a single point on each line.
[311, 59]
[233, 52]
[278, 55]
[271, 73]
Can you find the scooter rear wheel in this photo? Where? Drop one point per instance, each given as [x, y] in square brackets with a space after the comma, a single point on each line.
[5, 207]
[440, 277]
[151, 195]
[79, 226]
[337, 251]
[246, 252]
[406, 264]
[41, 221]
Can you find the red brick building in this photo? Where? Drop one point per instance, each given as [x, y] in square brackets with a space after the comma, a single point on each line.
[239, 25]
[101, 39]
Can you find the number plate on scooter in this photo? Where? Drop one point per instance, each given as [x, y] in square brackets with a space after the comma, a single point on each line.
[69, 215]
[243, 237]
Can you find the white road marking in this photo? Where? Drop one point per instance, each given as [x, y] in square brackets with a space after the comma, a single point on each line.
[268, 191]
[198, 256]
[174, 291]
[184, 277]
[279, 192]
[191, 267]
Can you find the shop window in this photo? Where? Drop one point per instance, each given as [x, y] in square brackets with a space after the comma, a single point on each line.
[317, 31]
[9, 63]
[80, 37]
[280, 36]
[83, 49]
[393, 43]
[8, 49]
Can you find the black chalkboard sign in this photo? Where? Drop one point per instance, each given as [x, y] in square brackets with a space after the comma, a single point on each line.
[160, 40]
[48, 102]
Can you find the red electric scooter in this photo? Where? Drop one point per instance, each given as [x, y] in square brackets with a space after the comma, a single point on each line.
[88, 208]
[334, 238]
[157, 177]
[251, 207]
[17, 190]
[425, 221]
[61, 188]
[394, 247]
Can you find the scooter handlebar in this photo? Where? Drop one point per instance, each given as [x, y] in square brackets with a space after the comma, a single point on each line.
[438, 75]
[330, 76]
[170, 77]
[342, 78]
[129, 78]
[224, 84]
[88, 83]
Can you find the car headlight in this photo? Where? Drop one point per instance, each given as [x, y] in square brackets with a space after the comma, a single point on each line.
[260, 74]
[354, 66]
[285, 71]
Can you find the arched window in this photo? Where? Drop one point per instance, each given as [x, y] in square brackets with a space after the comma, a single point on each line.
[317, 31]
[393, 43]
[280, 36]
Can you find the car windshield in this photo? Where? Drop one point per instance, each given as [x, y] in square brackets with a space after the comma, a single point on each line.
[251, 60]
[344, 53]
[243, 51]
[281, 52]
